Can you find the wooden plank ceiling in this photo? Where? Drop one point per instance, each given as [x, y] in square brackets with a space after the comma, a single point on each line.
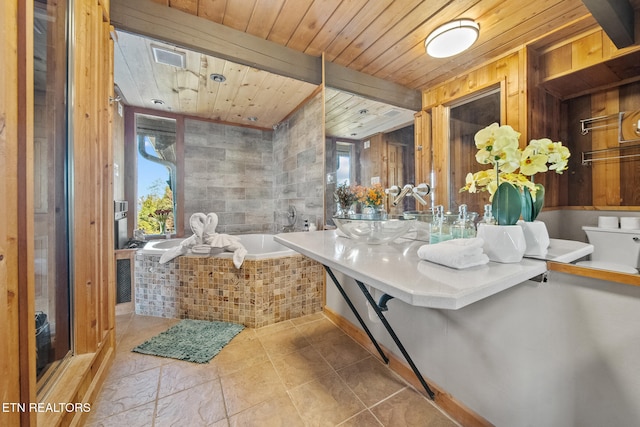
[248, 97]
[382, 38]
[385, 38]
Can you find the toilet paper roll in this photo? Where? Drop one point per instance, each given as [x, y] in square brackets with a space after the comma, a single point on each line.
[630, 223]
[608, 221]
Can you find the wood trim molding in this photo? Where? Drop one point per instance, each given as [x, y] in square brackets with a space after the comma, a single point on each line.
[452, 407]
[25, 208]
[610, 276]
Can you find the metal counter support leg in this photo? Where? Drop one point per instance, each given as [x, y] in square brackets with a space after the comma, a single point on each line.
[386, 324]
[355, 312]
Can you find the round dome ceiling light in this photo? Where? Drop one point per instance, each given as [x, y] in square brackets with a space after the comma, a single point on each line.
[452, 38]
[218, 78]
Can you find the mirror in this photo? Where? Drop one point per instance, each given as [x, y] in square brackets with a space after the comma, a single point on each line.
[249, 142]
[373, 140]
[465, 119]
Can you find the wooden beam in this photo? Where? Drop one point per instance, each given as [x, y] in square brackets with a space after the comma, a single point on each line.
[616, 17]
[352, 81]
[170, 25]
[148, 18]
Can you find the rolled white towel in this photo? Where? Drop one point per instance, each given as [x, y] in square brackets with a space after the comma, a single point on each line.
[456, 253]
[179, 250]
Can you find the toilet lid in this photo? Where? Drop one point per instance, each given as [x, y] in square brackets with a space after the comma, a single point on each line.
[620, 268]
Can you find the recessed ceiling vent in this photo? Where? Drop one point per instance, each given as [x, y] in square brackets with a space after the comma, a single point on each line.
[392, 113]
[169, 57]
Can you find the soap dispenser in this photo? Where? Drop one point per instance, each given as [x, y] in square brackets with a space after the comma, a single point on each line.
[488, 215]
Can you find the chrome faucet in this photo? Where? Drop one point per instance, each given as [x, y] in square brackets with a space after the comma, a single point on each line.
[292, 215]
[418, 192]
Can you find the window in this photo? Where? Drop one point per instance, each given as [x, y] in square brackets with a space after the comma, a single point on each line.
[156, 205]
[344, 163]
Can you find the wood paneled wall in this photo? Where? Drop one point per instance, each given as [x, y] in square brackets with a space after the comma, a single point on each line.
[581, 77]
[506, 73]
[16, 273]
[548, 87]
[92, 225]
[606, 183]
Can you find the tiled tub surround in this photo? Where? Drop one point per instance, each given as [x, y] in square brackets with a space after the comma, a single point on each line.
[249, 177]
[260, 293]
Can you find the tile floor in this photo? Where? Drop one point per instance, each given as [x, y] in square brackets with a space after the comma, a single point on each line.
[302, 372]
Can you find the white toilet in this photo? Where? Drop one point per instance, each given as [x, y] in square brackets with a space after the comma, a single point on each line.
[613, 249]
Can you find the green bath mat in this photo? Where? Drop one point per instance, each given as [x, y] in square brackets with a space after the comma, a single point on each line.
[191, 340]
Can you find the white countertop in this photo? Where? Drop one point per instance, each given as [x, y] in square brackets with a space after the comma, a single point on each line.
[396, 270]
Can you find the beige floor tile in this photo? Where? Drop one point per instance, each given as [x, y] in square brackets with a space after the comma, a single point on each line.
[238, 356]
[129, 363]
[121, 394]
[326, 401]
[251, 386]
[300, 366]
[276, 327]
[410, 409]
[306, 319]
[276, 412]
[247, 334]
[244, 385]
[201, 405]
[319, 330]
[222, 423]
[371, 381]
[179, 375]
[363, 419]
[135, 336]
[283, 342]
[341, 351]
[141, 416]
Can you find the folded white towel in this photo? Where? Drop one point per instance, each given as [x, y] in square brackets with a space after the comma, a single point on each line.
[204, 238]
[456, 253]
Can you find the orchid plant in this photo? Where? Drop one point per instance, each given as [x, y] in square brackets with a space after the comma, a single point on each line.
[510, 181]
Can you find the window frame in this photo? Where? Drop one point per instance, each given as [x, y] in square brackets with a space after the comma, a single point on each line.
[131, 165]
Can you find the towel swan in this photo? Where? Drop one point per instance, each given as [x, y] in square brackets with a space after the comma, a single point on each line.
[204, 238]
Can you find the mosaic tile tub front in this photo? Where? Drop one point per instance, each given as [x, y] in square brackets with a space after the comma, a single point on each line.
[260, 293]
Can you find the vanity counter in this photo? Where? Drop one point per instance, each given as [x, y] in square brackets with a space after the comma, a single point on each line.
[396, 270]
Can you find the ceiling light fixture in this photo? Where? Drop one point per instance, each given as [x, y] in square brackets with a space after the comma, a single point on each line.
[157, 101]
[218, 78]
[452, 38]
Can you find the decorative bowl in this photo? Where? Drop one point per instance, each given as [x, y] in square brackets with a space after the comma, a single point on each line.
[373, 230]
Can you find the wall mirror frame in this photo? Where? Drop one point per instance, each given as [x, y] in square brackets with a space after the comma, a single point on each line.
[444, 179]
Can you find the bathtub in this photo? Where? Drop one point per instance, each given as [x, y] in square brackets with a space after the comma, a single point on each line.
[259, 246]
[274, 283]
